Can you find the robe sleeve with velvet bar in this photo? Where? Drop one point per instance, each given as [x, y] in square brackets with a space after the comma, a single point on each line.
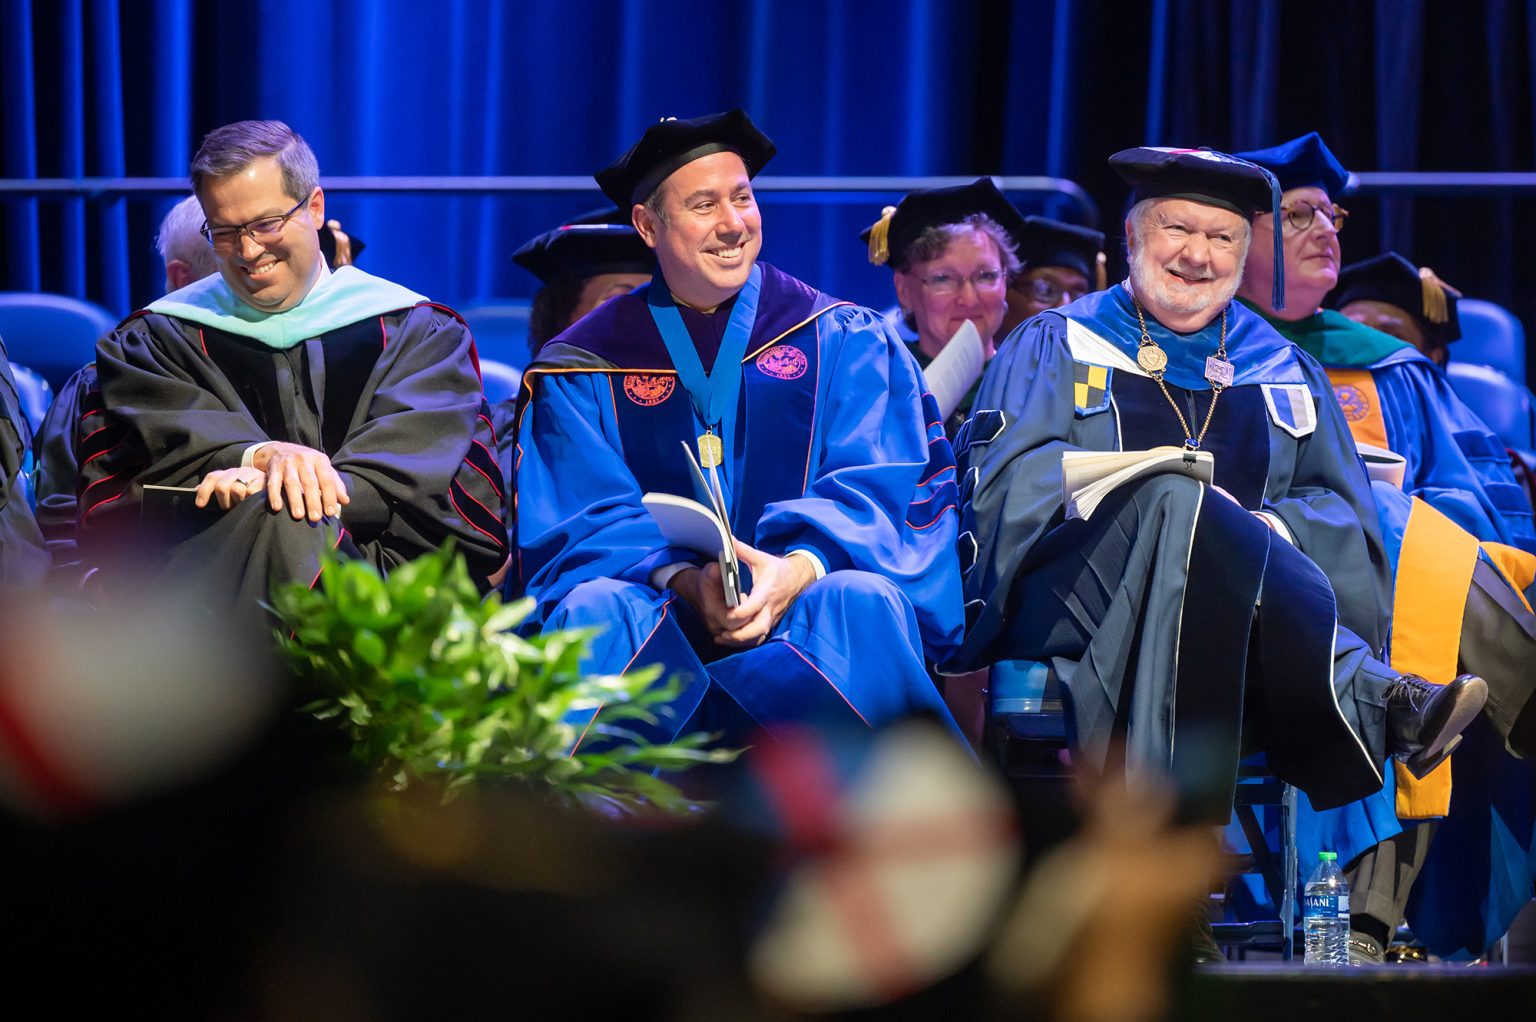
[1145, 612]
[394, 400]
[76, 412]
[23, 555]
[833, 449]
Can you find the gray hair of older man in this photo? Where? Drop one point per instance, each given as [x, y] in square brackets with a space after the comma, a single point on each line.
[179, 238]
[234, 147]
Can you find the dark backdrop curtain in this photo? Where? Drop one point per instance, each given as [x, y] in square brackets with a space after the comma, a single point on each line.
[104, 88]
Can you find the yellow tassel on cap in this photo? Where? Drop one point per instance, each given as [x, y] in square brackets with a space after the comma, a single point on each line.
[879, 249]
[1101, 272]
[1435, 307]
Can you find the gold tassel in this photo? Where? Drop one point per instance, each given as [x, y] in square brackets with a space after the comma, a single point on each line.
[1101, 272]
[1436, 309]
[879, 250]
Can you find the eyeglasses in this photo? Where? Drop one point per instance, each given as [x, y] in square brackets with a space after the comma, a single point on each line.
[1049, 292]
[269, 228]
[1300, 216]
[946, 284]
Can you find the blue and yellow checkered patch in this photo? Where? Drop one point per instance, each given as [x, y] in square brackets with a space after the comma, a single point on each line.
[1090, 387]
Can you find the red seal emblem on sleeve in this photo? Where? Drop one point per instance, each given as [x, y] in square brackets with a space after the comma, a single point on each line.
[784, 361]
[1354, 403]
[648, 389]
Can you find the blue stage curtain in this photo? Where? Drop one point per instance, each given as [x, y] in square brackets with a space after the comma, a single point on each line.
[390, 87]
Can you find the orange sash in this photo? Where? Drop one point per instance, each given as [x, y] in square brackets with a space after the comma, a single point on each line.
[1355, 390]
[1434, 570]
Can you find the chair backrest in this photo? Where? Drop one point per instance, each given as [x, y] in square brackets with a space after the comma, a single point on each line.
[35, 395]
[500, 327]
[1506, 407]
[501, 380]
[1490, 336]
[53, 335]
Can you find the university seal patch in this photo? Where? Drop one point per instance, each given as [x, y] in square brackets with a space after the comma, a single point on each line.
[1355, 404]
[647, 389]
[784, 361]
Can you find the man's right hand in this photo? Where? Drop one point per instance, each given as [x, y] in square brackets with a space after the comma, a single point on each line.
[303, 479]
[229, 486]
[705, 593]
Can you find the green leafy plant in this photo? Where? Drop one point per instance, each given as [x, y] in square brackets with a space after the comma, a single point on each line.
[433, 685]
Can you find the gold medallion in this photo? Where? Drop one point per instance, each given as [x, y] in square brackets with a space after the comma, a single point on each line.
[711, 451]
[1151, 358]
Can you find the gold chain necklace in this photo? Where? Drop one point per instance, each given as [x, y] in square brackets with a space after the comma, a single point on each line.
[1218, 373]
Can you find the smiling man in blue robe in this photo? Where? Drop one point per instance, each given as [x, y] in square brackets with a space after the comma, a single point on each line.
[1185, 615]
[837, 477]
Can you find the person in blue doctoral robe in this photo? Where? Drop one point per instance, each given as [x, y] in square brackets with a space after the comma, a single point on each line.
[1457, 529]
[1182, 614]
[837, 477]
[23, 555]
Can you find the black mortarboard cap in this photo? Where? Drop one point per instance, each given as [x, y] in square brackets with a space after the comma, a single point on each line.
[586, 250]
[900, 225]
[1047, 242]
[1416, 290]
[673, 143]
[1304, 162]
[1204, 175]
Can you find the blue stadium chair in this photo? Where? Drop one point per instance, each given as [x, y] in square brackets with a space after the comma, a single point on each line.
[54, 335]
[35, 395]
[1027, 734]
[500, 327]
[1503, 404]
[501, 380]
[1490, 336]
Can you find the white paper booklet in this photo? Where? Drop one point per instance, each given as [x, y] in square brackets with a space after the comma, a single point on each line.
[1087, 477]
[693, 526]
[955, 370]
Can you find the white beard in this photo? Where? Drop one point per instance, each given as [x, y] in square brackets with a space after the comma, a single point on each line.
[1178, 298]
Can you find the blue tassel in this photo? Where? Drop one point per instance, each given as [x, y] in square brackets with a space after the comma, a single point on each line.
[1277, 293]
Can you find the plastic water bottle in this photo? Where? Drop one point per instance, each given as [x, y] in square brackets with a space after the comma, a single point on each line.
[1325, 913]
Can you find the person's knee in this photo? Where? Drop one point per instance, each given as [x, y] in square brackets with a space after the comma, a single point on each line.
[858, 590]
[600, 601]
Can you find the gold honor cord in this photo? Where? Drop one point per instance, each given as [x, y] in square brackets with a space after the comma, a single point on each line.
[1154, 360]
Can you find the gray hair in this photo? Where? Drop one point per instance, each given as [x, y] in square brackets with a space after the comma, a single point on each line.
[179, 237]
[234, 147]
[936, 239]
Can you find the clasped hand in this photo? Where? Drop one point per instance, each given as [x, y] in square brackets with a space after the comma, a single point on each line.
[299, 478]
[776, 582]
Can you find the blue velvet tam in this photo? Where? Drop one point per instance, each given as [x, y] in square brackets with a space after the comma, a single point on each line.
[1206, 176]
[1304, 162]
[672, 143]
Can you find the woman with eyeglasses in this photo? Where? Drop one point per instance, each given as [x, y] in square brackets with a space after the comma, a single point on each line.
[952, 253]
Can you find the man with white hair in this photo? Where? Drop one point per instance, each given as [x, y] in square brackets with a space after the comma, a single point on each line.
[1185, 616]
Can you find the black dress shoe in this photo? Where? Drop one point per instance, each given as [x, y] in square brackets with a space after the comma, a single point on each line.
[1424, 721]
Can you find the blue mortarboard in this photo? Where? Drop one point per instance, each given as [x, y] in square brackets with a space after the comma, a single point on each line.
[1047, 242]
[1204, 175]
[586, 250]
[900, 225]
[1304, 162]
[671, 144]
[1416, 290]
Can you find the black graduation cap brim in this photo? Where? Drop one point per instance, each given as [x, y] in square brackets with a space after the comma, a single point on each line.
[672, 144]
[586, 250]
[1047, 242]
[935, 207]
[1304, 162]
[1209, 177]
[1391, 279]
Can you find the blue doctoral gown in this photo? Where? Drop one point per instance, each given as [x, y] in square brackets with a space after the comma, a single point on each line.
[833, 448]
[1146, 627]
